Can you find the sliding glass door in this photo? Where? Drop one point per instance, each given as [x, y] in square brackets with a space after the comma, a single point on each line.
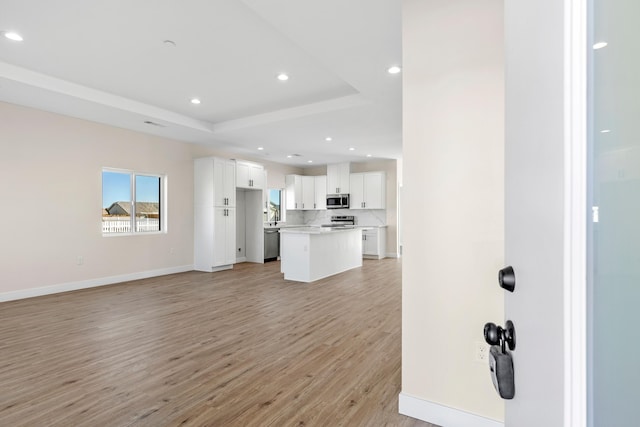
[614, 235]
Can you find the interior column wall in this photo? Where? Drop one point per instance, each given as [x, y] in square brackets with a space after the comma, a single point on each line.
[453, 200]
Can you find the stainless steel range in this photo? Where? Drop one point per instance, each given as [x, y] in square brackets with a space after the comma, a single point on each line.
[341, 221]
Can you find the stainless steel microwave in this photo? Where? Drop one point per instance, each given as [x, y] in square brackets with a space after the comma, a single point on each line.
[337, 201]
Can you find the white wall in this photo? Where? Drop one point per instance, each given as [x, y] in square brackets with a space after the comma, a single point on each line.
[452, 213]
[276, 173]
[51, 192]
[241, 229]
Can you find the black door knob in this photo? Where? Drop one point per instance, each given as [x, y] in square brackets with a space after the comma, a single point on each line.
[497, 335]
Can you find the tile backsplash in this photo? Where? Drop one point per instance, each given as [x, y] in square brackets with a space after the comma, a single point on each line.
[363, 216]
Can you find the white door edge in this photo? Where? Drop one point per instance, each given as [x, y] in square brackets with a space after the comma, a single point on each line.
[575, 229]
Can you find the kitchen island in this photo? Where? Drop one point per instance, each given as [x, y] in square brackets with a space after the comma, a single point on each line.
[312, 253]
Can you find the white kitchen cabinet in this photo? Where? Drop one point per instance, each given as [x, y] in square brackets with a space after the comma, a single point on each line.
[374, 243]
[214, 214]
[293, 189]
[368, 190]
[309, 254]
[306, 192]
[224, 233]
[249, 175]
[214, 238]
[321, 192]
[214, 182]
[338, 180]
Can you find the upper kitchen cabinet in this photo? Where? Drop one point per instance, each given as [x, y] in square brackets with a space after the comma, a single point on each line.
[306, 192]
[338, 178]
[368, 190]
[293, 184]
[214, 182]
[321, 192]
[249, 175]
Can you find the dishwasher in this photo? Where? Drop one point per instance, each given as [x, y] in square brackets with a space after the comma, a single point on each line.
[271, 244]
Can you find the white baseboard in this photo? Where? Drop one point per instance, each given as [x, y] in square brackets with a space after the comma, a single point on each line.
[392, 255]
[441, 415]
[91, 283]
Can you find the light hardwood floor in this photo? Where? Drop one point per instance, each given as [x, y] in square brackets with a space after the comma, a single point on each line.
[235, 348]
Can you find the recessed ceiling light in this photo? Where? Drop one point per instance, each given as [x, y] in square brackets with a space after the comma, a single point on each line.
[394, 70]
[283, 77]
[605, 131]
[169, 43]
[195, 101]
[351, 149]
[328, 139]
[260, 148]
[12, 35]
[309, 161]
[599, 45]
[368, 155]
[289, 156]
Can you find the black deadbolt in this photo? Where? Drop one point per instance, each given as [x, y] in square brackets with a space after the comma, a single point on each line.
[507, 278]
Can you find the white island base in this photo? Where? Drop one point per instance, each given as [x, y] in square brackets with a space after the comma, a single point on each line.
[309, 254]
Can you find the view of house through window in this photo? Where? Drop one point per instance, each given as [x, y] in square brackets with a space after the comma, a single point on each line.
[274, 205]
[131, 203]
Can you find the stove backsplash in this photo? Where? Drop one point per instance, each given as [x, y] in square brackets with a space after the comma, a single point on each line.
[363, 217]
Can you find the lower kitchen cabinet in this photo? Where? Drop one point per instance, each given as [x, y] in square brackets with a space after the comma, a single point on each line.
[214, 238]
[374, 243]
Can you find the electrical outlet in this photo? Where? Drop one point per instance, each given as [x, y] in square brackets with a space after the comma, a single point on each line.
[80, 260]
[481, 352]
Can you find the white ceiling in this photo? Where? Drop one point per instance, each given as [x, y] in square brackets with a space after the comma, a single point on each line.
[106, 61]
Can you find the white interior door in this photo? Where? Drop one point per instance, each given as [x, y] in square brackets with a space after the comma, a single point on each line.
[536, 194]
[549, 86]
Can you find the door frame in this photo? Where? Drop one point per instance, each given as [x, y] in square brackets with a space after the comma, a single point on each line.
[576, 214]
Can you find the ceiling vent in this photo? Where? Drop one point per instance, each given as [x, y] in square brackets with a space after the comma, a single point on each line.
[149, 122]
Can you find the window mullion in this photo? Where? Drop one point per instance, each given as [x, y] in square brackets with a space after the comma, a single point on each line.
[160, 203]
[133, 202]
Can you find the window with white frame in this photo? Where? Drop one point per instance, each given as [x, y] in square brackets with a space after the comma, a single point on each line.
[275, 205]
[132, 202]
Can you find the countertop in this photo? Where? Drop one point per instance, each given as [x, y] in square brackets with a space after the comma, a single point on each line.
[266, 225]
[318, 230]
[288, 226]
